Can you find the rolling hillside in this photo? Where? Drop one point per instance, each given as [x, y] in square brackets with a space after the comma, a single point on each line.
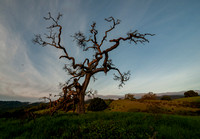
[183, 106]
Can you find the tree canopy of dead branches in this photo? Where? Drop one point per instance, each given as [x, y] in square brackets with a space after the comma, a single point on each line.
[88, 67]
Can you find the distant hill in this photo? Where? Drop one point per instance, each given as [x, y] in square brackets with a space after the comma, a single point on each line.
[9, 105]
[176, 93]
[4, 97]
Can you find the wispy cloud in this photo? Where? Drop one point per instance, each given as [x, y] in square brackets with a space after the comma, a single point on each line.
[18, 74]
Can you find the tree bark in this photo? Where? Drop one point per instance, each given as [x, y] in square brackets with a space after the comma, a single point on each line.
[81, 104]
[81, 95]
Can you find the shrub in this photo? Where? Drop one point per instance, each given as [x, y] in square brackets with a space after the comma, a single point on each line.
[166, 98]
[129, 96]
[149, 96]
[190, 93]
[97, 104]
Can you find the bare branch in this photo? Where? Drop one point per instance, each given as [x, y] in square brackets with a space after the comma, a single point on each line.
[94, 32]
[122, 78]
[80, 38]
[94, 78]
[55, 39]
[91, 93]
[110, 19]
[134, 36]
[55, 21]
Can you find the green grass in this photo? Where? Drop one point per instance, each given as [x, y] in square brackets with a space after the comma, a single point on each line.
[102, 125]
[189, 99]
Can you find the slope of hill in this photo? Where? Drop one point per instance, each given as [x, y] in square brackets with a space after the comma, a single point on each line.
[185, 106]
[9, 105]
[189, 99]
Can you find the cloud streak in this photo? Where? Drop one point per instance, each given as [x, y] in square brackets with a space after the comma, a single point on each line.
[18, 75]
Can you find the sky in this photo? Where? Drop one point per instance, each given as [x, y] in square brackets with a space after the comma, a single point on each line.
[169, 62]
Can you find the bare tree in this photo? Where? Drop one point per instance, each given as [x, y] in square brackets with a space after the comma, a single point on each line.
[81, 73]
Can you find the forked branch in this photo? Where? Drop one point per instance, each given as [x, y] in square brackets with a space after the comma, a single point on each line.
[110, 19]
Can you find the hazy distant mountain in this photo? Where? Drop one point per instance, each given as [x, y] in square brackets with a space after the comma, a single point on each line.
[139, 95]
[9, 105]
[110, 96]
[18, 98]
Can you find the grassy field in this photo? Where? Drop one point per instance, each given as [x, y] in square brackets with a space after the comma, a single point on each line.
[122, 119]
[103, 125]
[189, 99]
[183, 106]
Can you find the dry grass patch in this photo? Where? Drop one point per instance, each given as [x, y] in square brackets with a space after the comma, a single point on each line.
[156, 106]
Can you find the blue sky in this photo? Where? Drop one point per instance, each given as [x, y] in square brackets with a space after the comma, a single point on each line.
[170, 62]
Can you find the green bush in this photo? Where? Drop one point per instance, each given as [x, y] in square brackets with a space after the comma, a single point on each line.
[97, 104]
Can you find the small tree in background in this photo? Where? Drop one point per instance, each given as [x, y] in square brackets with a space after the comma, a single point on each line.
[166, 98]
[190, 93]
[149, 96]
[129, 96]
[97, 104]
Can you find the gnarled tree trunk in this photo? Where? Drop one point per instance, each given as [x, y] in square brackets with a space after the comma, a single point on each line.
[81, 95]
[81, 104]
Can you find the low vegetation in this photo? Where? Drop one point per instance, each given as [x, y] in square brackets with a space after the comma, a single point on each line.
[102, 125]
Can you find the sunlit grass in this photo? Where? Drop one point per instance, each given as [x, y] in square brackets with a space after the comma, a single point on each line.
[189, 99]
[185, 106]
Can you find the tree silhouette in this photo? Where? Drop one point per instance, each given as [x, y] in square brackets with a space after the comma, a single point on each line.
[191, 93]
[81, 73]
